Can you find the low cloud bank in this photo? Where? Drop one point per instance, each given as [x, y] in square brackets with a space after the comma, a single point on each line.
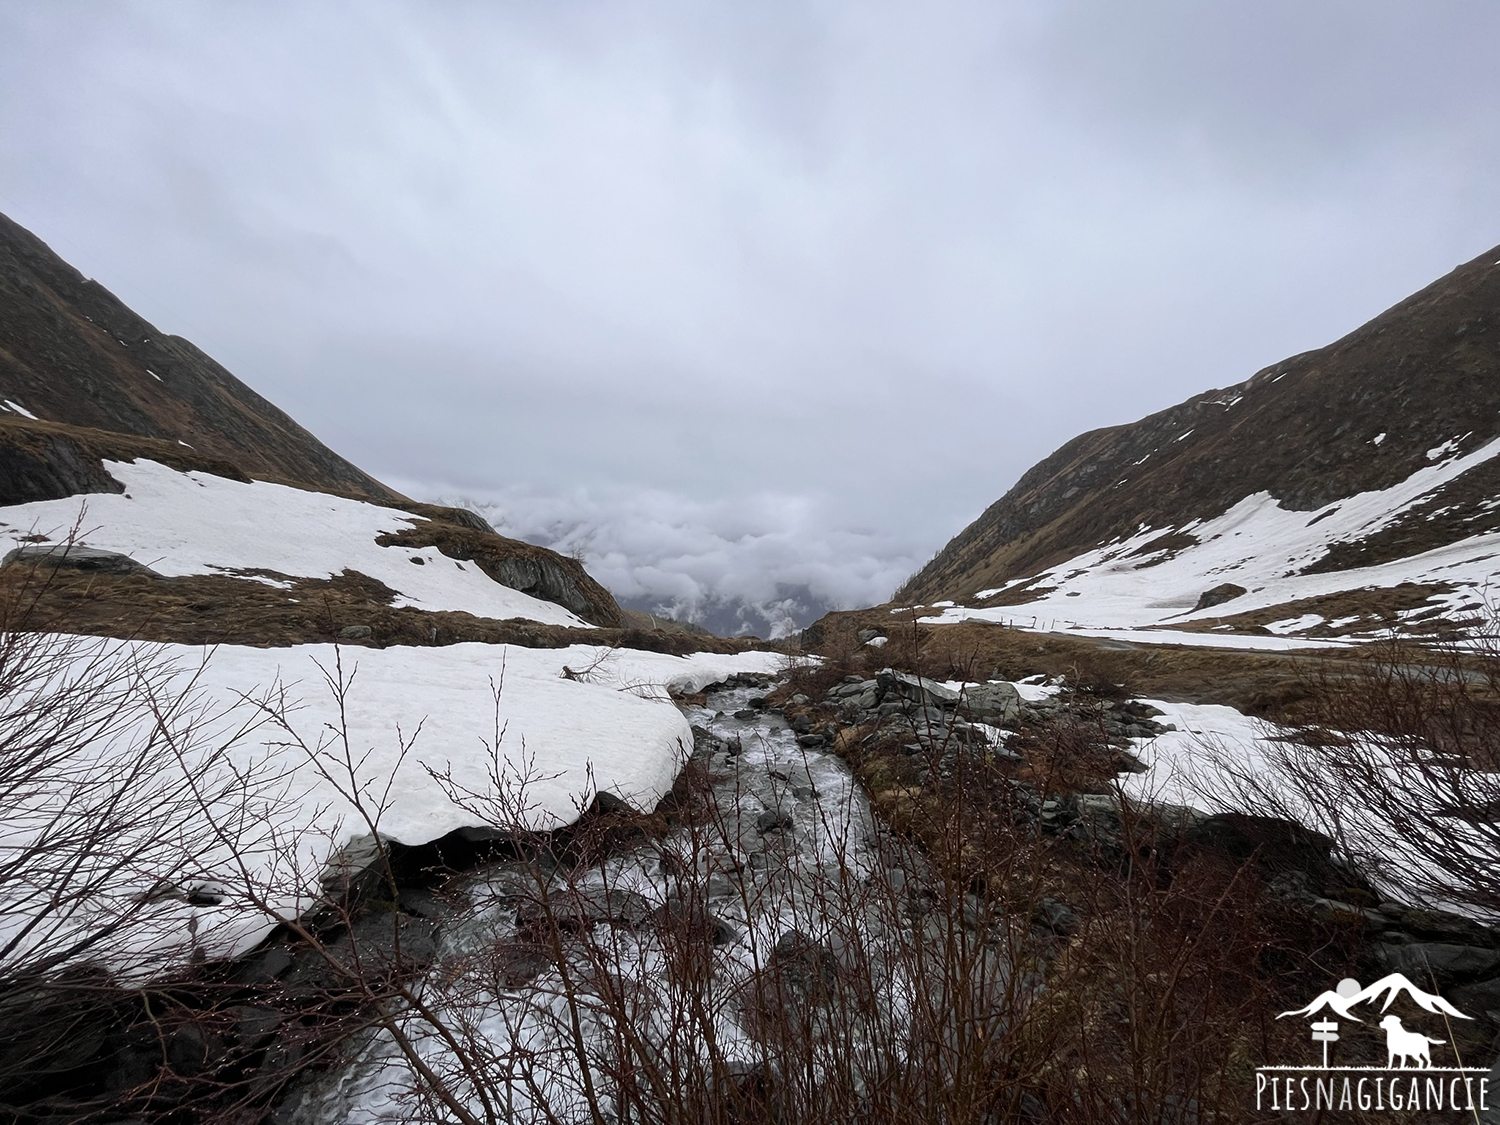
[766, 564]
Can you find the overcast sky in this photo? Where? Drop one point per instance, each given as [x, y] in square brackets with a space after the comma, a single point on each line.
[727, 295]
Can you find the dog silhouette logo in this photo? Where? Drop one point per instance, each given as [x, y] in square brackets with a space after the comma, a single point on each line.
[1403, 1044]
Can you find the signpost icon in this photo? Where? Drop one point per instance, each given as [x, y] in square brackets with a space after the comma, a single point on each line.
[1325, 1032]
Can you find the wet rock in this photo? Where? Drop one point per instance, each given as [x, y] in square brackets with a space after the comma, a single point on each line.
[188, 1051]
[585, 907]
[694, 921]
[977, 912]
[1448, 961]
[137, 1060]
[254, 1026]
[806, 965]
[1343, 913]
[844, 689]
[518, 963]
[356, 870]
[720, 886]
[70, 556]
[773, 820]
[1439, 925]
[1481, 998]
[998, 704]
[262, 966]
[278, 1065]
[386, 940]
[606, 803]
[1055, 915]
[916, 689]
[421, 902]
[929, 721]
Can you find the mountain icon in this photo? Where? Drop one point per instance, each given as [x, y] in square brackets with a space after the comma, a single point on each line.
[1349, 993]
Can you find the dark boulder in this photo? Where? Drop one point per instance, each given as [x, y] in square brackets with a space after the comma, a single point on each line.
[71, 556]
[1224, 592]
[807, 966]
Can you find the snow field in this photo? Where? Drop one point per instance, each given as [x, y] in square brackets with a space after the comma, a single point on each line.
[1114, 591]
[197, 523]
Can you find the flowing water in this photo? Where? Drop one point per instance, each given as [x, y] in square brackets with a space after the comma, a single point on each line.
[776, 872]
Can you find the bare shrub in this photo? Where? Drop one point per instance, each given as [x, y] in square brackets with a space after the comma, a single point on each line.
[107, 754]
[1398, 762]
[977, 963]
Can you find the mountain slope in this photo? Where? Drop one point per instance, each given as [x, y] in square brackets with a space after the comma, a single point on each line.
[91, 395]
[71, 352]
[1415, 389]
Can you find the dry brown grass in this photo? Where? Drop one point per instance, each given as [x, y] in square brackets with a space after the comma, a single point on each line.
[215, 609]
[1273, 685]
[1378, 610]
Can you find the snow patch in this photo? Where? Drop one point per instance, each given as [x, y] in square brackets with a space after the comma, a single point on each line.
[580, 720]
[1296, 624]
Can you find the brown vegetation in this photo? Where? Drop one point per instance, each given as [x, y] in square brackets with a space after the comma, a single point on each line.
[273, 610]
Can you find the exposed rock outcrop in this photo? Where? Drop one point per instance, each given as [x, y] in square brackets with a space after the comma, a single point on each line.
[521, 566]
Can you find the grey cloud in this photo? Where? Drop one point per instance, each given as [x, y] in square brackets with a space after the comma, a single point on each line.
[766, 563]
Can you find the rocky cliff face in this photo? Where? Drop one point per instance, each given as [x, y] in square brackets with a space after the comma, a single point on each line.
[1420, 383]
